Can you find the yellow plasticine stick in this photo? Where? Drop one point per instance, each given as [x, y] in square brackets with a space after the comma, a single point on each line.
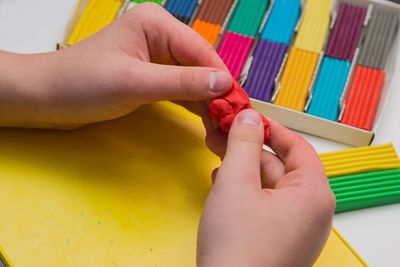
[130, 191]
[80, 24]
[108, 17]
[360, 160]
[296, 79]
[97, 15]
[103, 15]
[314, 26]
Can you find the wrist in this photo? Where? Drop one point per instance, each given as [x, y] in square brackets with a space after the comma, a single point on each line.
[24, 85]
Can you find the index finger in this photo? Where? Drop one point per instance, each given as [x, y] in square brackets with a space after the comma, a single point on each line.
[292, 149]
[176, 41]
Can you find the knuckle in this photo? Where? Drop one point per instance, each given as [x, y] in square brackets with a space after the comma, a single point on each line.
[330, 202]
[327, 202]
[148, 7]
[298, 140]
[208, 47]
[186, 81]
[322, 203]
[247, 134]
[144, 11]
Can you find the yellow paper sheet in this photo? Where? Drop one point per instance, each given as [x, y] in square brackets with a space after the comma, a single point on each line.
[128, 192]
[338, 253]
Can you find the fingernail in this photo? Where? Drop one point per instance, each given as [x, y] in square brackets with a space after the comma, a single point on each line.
[219, 81]
[249, 116]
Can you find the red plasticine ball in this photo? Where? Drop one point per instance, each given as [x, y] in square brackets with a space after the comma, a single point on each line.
[224, 109]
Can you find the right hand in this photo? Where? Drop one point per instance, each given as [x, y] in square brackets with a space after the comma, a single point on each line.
[265, 209]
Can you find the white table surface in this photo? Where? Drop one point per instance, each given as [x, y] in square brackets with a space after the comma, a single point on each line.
[36, 26]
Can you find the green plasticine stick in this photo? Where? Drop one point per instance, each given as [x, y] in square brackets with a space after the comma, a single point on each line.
[376, 186]
[366, 190]
[369, 201]
[144, 1]
[355, 181]
[247, 17]
[361, 176]
[350, 181]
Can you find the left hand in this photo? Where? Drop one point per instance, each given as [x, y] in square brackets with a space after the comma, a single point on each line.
[144, 56]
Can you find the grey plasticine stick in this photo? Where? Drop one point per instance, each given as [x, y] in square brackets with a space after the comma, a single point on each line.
[379, 39]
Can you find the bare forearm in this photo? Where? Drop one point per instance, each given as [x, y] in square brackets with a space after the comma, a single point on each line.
[24, 80]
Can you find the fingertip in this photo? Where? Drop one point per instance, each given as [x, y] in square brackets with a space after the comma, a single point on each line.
[247, 125]
[243, 154]
[219, 81]
[249, 117]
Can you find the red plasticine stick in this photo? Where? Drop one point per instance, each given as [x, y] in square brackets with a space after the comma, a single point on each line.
[224, 109]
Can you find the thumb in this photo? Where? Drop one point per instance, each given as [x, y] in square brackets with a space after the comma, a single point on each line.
[241, 164]
[168, 82]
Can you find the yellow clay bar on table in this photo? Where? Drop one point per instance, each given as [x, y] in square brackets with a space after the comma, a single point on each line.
[128, 192]
[360, 160]
[314, 26]
[296, 79]
[97, 15]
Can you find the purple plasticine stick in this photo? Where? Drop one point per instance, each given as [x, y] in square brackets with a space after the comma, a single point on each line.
[267, 60]
[346, 32]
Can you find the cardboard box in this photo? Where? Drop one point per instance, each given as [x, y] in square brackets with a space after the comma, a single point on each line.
[295, 120]
[335, 131]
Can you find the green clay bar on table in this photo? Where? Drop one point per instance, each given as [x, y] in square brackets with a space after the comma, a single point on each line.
[366, 190]
[248, 16]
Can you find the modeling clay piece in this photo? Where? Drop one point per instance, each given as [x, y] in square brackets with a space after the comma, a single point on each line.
[366, 190]
[248, 16]
[210, 18]
[234, 50]
[360, 160]
[183, 10]
[379, 39]
[281, 22]
[363, 97]
[207, 30]
[267, 60]
[144, 1]
[331, 81]
[296, 79]
[224, 109]
[96, 15]
[346, 32]
[314, 26]
[214, 11]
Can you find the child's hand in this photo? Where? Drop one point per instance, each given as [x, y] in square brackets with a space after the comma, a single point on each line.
[265, 209]
[144, 56]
